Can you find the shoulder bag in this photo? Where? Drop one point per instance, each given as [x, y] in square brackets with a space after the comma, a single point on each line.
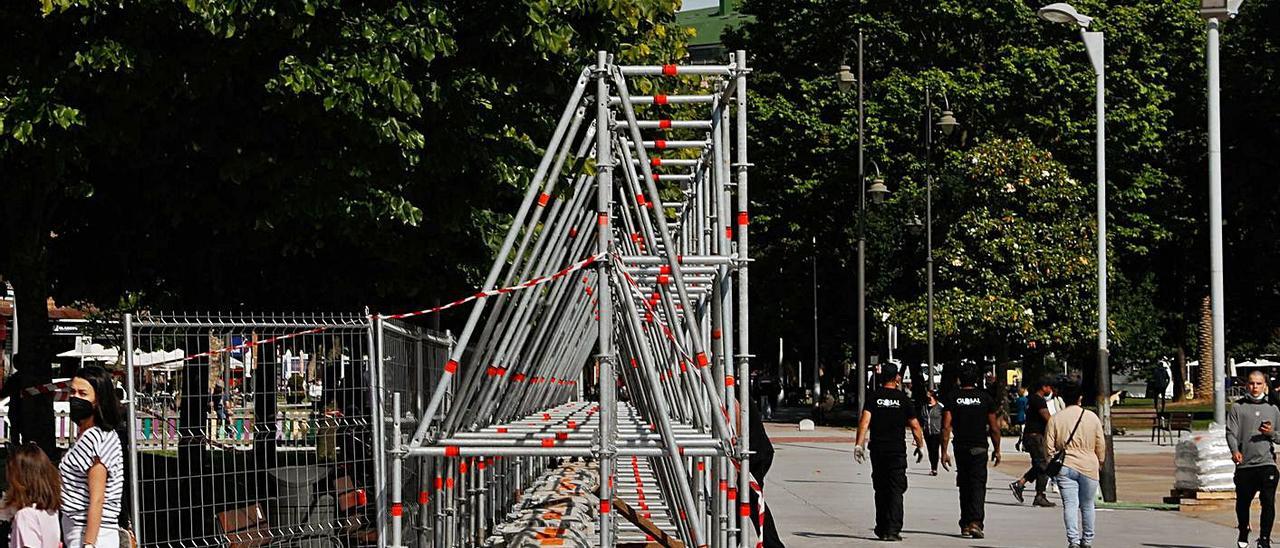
[1060, 457]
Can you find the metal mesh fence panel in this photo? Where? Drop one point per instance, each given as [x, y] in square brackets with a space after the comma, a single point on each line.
[264, 430]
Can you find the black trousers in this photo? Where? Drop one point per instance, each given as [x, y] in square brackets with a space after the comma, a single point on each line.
[889, 479]
[932, 442]
[971, 479]
[1034, 444]
[1261, 481]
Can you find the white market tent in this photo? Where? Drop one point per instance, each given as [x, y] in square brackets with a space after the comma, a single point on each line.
[88, 351]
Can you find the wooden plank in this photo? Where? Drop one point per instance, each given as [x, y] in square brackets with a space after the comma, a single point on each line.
[1202, 495]
[662, 539]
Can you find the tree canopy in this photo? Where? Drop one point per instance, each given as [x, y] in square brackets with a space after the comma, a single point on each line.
[1012, 279]
[317, 154]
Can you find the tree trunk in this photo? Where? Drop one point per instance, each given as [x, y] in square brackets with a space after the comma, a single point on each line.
[1179, 376]
[1204, 376]
[26, 213]
[32, 416]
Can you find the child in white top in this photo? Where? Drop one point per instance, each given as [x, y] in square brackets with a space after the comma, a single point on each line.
[35, 493]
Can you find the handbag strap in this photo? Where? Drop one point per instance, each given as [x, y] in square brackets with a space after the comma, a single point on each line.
[1074, 428]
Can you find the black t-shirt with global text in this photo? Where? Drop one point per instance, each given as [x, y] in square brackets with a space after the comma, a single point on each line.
[969, 408]
[890, 409]
[1035, 421]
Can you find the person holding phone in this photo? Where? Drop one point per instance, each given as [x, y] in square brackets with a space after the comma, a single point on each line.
[1251, 435]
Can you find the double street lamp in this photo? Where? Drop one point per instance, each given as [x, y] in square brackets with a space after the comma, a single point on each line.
[948, 124]
[1093, 43]
[846, 80]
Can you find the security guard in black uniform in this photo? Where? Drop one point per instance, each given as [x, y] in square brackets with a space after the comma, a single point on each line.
[970, 414]
[888, 411]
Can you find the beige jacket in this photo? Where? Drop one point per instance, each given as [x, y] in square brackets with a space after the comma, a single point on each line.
[1087, 449]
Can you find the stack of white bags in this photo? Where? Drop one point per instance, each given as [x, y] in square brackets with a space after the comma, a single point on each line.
[1203, 462]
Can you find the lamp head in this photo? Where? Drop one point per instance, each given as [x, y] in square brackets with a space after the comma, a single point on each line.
[845, 78]
[878, 190]
[948, 122]
[1220, 9]
[1062, 12]
[915, 225]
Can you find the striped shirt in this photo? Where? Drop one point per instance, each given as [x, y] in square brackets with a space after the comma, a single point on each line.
[94, 445]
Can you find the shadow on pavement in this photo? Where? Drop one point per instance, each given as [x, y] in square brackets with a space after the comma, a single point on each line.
[930, 533]
[812, 534]
[828, 482]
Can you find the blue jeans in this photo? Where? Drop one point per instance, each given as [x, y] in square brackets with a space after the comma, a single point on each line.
[1078, 494]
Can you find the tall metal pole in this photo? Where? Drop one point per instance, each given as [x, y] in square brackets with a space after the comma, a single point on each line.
[604, 234]
[862, 250]
[135, 483]
[744, 355]
[1095, 46]
[817, 386]
[928, 223]
[1215, 227]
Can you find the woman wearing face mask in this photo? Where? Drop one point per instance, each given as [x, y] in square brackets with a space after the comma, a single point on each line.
[93, 468]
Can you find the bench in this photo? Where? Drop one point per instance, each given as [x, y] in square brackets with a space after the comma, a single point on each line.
[1168, 423]
[245, 527]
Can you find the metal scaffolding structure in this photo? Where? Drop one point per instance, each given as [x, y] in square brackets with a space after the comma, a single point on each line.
[621, 379]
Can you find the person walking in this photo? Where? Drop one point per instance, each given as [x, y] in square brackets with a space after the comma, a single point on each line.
[1020, 415]
[34, 495]
[970, 413]
[1033, 442]
[761, 461]
[1251, 436]
[889, 410]
[1076, 433]
[931, 423]
[92, 470]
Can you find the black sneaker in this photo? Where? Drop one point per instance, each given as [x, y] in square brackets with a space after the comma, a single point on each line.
[1017, 491]
[893, 537]
[1263, 543]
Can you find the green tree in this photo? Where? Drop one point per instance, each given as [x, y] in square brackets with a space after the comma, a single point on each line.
[1009, 77]
[1017, 259]
[224, 154]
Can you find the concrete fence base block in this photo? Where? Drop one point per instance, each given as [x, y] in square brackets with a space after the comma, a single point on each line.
[806, 425]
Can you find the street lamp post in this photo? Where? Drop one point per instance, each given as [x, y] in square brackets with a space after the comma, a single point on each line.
[1094, 45]
[948, 124]
[1214, 12]
[817, 378]
[878, 190]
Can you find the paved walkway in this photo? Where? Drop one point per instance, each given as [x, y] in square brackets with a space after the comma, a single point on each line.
[820, 497]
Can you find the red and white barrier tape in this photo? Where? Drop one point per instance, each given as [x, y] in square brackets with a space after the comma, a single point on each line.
[761, 509]
[528, 284]
[534, 282]
[58, 389]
